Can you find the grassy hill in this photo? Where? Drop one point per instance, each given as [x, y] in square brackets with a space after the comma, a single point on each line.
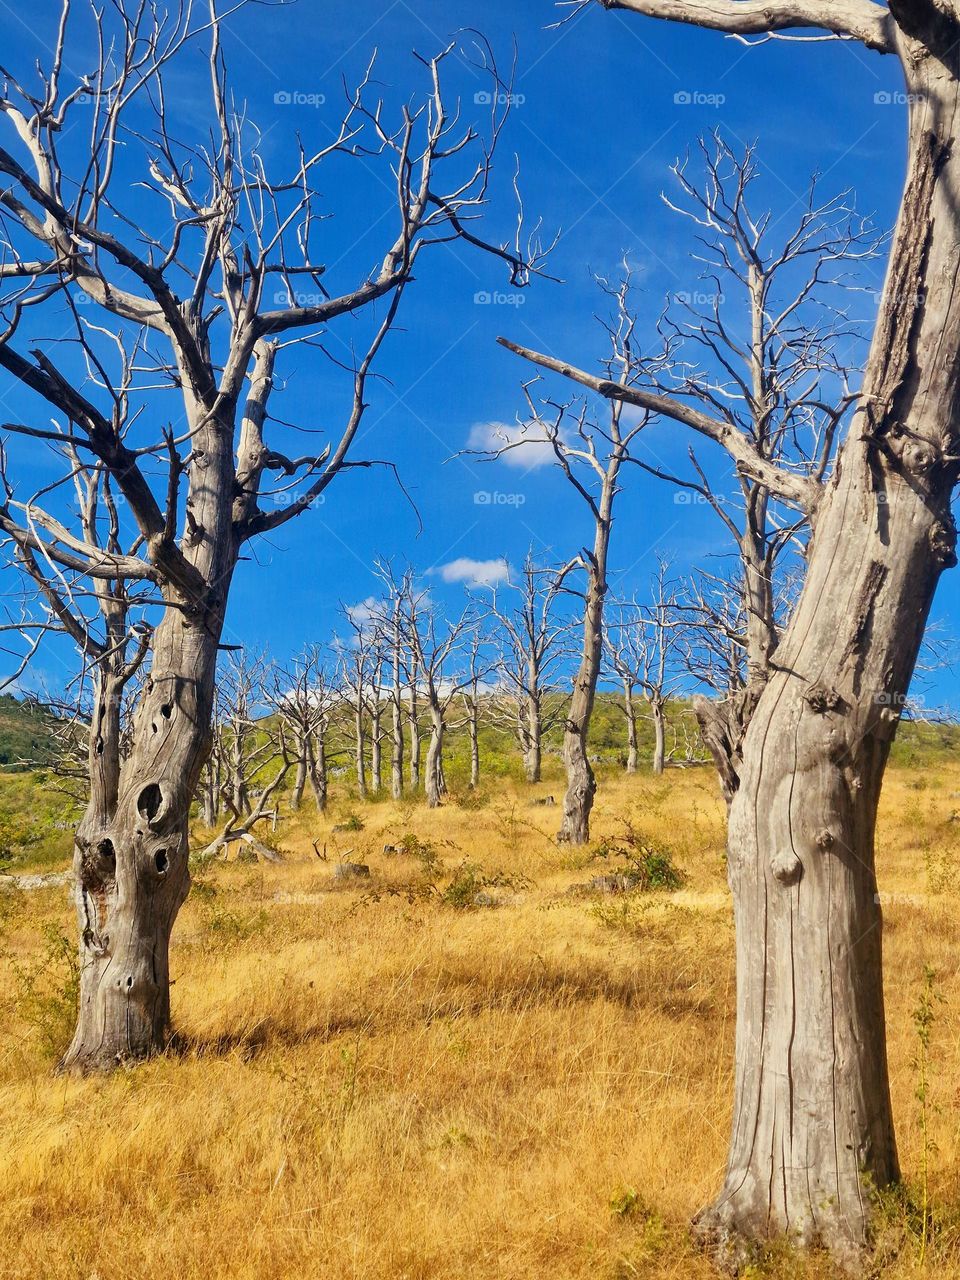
[25, 734]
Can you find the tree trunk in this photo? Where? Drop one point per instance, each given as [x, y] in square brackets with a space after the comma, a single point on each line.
[211, 794]
[659, 736]
[415, 740]
[317, 771]
[533, 745]
[812, 1132]
[631, 714]
[359, 753]
[474, 727]
[131, 853]
[376, 754]
[300, 778]
[433, 782]
[396, 761]
[581, 784]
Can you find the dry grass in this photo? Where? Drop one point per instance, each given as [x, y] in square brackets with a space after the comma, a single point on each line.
[368, 1082]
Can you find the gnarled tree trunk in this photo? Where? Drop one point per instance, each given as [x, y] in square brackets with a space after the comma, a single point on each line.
[131, 853]
[433, 782]
[813, 1133]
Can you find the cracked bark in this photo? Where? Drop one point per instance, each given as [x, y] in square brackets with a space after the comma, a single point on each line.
[812, 1131]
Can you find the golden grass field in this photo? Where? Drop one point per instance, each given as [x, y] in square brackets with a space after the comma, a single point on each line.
[369, 1083]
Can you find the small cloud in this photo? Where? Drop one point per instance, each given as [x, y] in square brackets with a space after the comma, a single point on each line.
[364, 612]
[526, 443]
[477, 573]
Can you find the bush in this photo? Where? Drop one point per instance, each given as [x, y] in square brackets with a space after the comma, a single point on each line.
[47, 991]
[649, 869]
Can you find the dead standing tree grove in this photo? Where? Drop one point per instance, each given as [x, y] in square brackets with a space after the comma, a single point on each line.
[170, 320]
[813, 1135]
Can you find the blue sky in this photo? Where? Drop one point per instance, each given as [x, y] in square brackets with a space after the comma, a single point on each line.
[604, 105]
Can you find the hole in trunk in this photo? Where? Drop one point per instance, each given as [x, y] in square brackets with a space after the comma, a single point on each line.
[161, 860]
[107, 855]
[166, 711]
[149, 801]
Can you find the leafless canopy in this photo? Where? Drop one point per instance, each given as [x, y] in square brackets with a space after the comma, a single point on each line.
[151, 284]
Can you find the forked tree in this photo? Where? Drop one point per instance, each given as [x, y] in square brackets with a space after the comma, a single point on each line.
[304, 699]
[813, 1137]
[643, 643]
[176, 305]
[764, 338]
[591, 453]
[530, 638]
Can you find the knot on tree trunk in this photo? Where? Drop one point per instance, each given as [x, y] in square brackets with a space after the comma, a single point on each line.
[821, 699]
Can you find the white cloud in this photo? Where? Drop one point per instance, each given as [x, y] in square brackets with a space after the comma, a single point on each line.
[478, 573]
[529, 446]
[363, 612]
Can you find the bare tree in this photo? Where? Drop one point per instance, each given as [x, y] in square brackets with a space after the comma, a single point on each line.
[433, 645]
[303, 698]
[253, 752]
[531, 641]
[813, 1136]
[590, 456]
[472, 694]
[361, 667]
[182, 316]
[766, 343]
[643, 645]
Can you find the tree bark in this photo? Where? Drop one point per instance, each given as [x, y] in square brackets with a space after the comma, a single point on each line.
[300, 778]
[474, 728]
[131, 852]
[359, 752]
[317, 771]
[581, 784]
[812, 1132]
[433, 781]
[659, 736]
[376, 753]
[413, 717]
[533, 744]
[630, 711]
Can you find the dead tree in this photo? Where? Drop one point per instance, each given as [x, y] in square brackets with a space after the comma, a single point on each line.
[303, 698]
[104, 619]
[813, 1137]
[390, 619]
[531, 641]
[433, 645]
[590, 456]
[472, 695]
[764, 341]
[361, 678]
[643, 645]
[183, 316]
